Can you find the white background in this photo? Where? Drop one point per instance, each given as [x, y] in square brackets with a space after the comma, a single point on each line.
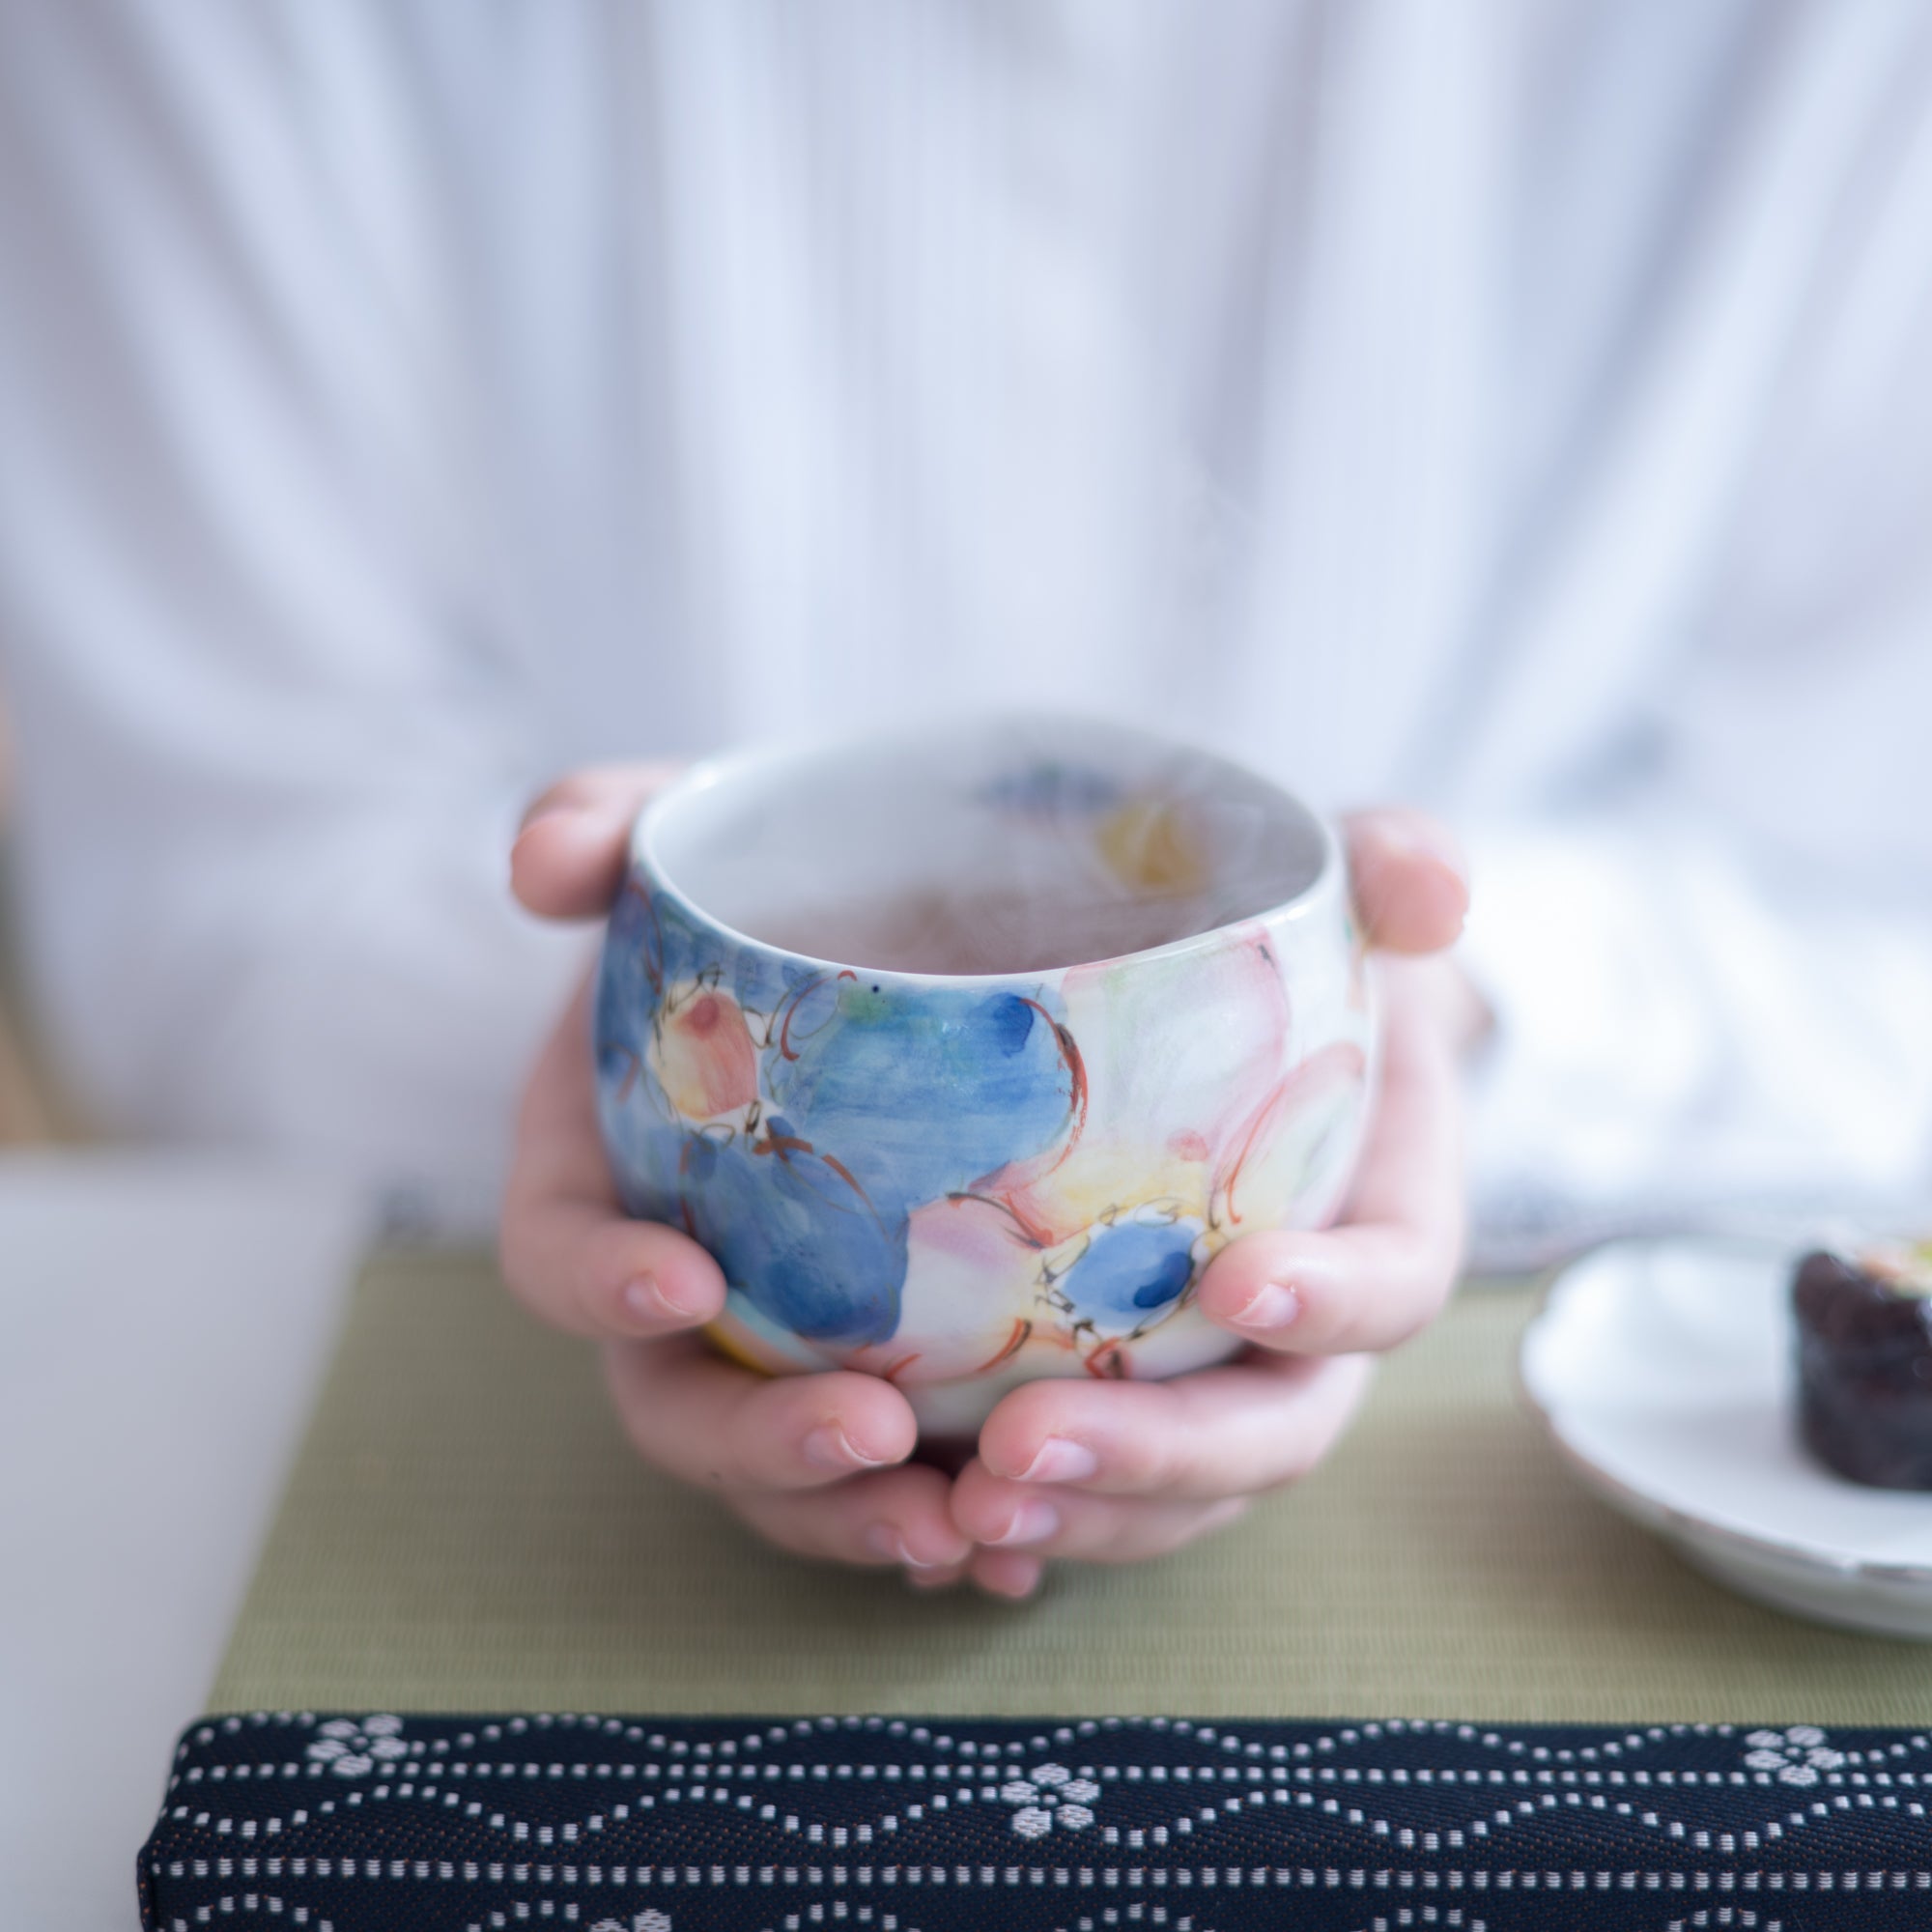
[165, 1322]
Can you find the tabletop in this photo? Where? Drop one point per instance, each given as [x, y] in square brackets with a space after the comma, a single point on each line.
[466, 1532]
[469, 1530]
[169, 1321]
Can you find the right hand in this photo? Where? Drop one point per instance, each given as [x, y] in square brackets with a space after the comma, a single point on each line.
[817, 1464]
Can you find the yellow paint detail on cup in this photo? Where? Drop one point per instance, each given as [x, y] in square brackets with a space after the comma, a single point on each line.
[729, 1342]
[1149, 849]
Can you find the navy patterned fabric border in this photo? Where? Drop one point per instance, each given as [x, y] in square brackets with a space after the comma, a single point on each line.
[372, 1822]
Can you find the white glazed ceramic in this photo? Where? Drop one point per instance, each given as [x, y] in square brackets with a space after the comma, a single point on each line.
[961, 1182]
[1662, 1371]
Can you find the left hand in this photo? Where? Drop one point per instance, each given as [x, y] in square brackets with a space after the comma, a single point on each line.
[817, 1464]
[1112, 1472]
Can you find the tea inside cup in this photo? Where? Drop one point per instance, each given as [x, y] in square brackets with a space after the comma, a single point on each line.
[1014, 846]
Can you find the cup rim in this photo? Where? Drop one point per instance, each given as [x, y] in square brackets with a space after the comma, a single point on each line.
[706, 774]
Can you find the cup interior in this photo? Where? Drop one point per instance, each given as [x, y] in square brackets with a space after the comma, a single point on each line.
[990, 846]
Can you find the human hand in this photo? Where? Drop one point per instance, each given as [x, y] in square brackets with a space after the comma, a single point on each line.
[817, 1464]
[1119, 1471]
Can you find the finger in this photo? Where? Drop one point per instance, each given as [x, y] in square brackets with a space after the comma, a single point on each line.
[891, 1517]
[568, 1251]
[1383, 1273]
[568, 858]
[942, 1577]
[713, 1422]
[1218, 1432]
[1410, 881]
[601, 788]
[1009, 1573]
[1045, 1522]
[592, 1271]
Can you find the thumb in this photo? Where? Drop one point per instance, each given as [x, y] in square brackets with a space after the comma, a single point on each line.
[1410, 880]
[568, 859]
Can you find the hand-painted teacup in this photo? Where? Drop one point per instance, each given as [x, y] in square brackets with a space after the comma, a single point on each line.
[961, 1179]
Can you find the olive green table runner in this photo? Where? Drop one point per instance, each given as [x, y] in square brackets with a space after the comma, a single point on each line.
[466, 1529]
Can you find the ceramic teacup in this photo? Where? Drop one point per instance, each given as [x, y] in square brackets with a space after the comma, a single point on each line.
[964, 1050]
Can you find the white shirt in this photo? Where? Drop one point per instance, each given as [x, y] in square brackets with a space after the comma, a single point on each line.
[1520, 408]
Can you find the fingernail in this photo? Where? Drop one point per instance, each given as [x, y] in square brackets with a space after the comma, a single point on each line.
[1015, 1590]
[597, 812]
[645, 1301]
[1060, 1460]
[1275, 1305]
[1033, 1522]
[884, 1539]
[829, 1447]
[1426, 839]
[540, 808]
[648, 1300]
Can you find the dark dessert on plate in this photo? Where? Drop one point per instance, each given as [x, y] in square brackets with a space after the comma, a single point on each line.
[1864, 1361]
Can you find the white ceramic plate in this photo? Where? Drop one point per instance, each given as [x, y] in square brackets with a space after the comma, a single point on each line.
[1662, 1371]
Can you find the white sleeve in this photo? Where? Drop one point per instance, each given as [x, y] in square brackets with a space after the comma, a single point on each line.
[268, 756]
[1682, 1035]
[1714, 977]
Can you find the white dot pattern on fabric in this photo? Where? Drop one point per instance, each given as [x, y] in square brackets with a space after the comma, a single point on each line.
[1052, 1796]
[1797, 1756]
[895, 1824]
[351, 1749]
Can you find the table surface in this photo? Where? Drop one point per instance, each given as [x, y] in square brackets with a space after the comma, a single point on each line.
[167, 1320]
[467, 1530]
